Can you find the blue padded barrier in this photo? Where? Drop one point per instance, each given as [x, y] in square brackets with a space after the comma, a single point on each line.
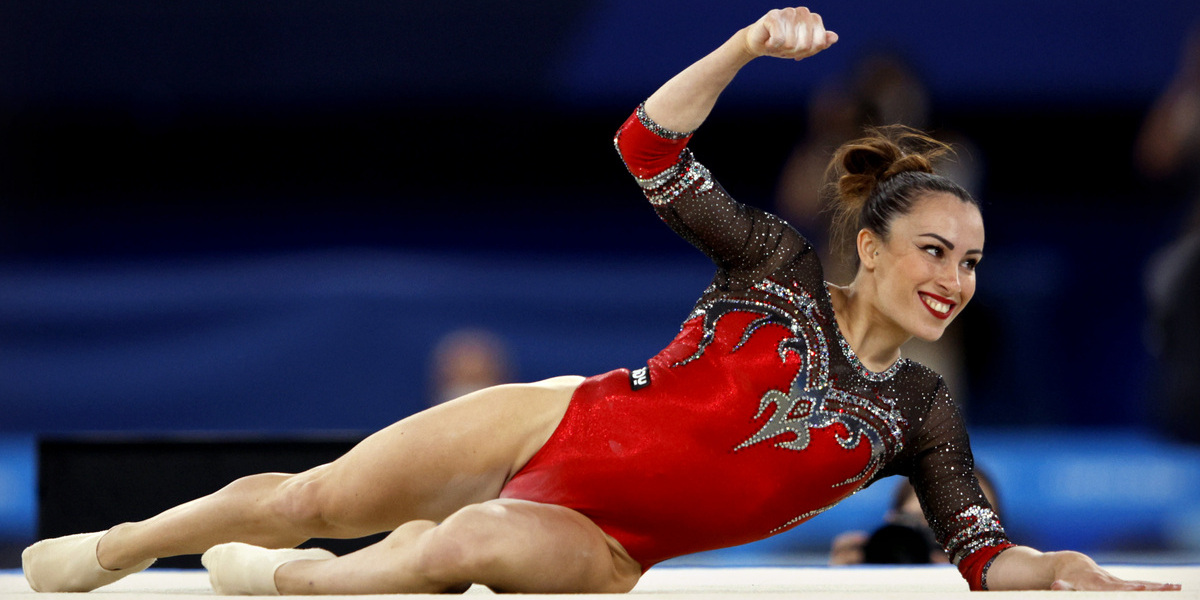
[1093, 490]
[18, 487]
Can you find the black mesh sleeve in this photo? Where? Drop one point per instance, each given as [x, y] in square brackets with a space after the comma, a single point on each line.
[739, 239]
[942, 470]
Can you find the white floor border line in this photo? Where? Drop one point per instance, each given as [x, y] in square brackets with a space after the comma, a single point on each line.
[676, 583]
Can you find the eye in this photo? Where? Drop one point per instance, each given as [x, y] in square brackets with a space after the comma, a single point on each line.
[971, 264]
[934, 250]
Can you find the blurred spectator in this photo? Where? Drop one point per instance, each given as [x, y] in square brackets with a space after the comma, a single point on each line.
[467, 360]
[883, 90]
[905, 536]
[1168, 149]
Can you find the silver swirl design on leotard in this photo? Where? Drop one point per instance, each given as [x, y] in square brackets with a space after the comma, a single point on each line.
[687, 175]
[979, 528]
[811, 402]
[802, 517]
[657, 181]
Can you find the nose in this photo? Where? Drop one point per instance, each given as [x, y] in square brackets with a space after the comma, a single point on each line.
[949, 279]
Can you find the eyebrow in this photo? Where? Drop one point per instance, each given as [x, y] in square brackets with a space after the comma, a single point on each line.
[948, 243]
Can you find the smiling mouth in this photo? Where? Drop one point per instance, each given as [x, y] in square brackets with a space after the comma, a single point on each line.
[940, 307]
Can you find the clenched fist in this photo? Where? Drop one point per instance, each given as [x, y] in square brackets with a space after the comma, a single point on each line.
[794, 33]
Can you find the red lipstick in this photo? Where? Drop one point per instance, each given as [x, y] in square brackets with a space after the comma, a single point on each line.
[938, 306]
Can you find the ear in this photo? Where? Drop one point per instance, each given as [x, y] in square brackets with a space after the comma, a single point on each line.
[868, 245]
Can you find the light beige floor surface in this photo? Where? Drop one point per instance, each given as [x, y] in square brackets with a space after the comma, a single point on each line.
[677, 583]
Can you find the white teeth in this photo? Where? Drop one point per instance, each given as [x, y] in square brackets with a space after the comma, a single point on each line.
[935, 305]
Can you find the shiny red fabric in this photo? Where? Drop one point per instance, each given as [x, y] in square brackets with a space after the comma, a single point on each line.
[660, 468]
[645, 153]
[972, 567]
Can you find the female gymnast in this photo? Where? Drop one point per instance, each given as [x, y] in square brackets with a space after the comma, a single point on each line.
[780, 396]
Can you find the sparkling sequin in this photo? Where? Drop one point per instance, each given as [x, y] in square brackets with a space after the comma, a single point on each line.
[978, 527]
[810, 403]
[801, 518]
[653, 183]
[862, 370]
[687, 176]
[657, 129]
[983, 582]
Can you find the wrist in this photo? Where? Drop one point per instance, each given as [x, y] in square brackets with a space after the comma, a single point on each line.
[743, 48]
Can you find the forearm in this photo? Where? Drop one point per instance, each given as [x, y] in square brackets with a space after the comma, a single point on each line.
[684, 102]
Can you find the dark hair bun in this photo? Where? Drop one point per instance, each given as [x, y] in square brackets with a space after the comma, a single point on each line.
[860, 166]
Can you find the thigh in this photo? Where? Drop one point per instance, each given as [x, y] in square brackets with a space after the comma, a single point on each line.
[517, 546]
[437, 461]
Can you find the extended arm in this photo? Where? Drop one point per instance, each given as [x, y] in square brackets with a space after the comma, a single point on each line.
[943, 476]
[683, 102]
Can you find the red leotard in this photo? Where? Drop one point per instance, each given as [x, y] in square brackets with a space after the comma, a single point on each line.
[758, 415]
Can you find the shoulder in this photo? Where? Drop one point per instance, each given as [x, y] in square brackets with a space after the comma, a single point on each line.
[922, 380]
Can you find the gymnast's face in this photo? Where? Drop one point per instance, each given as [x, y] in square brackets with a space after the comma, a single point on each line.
[924, 271]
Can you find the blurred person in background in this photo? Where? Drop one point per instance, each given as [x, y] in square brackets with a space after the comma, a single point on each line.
[905, 537]
[781, 396]
[1168, 150]
[468, 360]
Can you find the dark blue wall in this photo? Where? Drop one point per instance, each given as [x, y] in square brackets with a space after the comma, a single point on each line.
[159, 55]
[228, 135]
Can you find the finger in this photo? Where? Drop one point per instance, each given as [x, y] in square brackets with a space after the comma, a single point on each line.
[1155, 586]
[801, 39]
[1114, 584]
[806, 38]
[788, 19]
[784, 31]
[826, 38]
[818, 34]
[777, 30]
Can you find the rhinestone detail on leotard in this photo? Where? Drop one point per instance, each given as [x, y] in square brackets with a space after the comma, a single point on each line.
[811, 402]
[978, 527]
[852, 358]
[688, 175]
[657, 129]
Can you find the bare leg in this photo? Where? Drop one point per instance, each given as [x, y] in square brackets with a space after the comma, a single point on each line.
[236, 512]
[424, 467]
[507, 545]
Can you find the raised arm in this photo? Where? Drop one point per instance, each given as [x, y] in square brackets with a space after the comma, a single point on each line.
[684, 101]
[653, 145]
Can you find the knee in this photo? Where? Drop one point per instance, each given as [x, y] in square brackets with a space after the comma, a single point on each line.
[302, 501]
[461, 547]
